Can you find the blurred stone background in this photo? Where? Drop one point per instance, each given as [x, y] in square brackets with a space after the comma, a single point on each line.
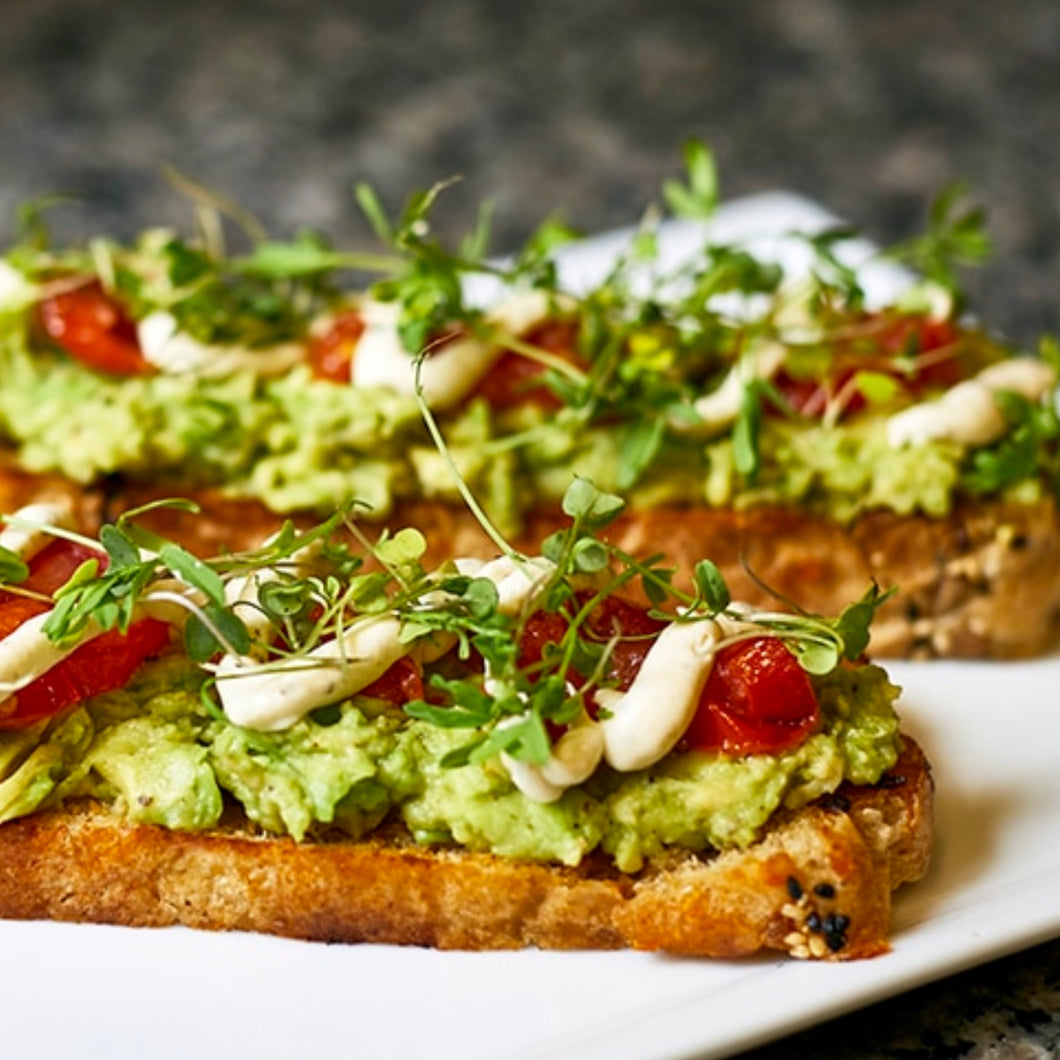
[577, 107]
[581, 108]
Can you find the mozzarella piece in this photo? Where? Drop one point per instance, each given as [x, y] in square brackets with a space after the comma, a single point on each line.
[177, 353]
[24, 531]
[275, 696]
[645, 722]
[447, 375]
[968, 413]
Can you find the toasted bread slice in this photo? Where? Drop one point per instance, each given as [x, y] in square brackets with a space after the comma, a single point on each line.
[817, 884]
[983, 582]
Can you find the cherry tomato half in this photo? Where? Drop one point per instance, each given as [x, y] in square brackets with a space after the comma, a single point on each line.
[53, 566]
[916, 351]
[94, 329]
[399, 685]
[330, 354]
[758, 700]
[100, 665]
[635, 629]
[627, 624]
[516, 379]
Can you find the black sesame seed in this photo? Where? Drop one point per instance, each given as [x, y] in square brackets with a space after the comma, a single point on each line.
[813, 923]
[834, 941]
[834, 929]
[891, 780]
[835, 923]
[794, 888]
[824, 890]
[834, 802]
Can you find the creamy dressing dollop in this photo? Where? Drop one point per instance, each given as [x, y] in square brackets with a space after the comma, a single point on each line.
[448, 374]
[968, 413]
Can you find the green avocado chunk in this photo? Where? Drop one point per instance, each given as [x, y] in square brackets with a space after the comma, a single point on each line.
[157, 754]
[297, 443]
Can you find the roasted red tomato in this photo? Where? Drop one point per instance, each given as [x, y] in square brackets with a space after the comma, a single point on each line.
[916, 351]
[614, 617]
[516, 379]
[635, 629]
[758, 700]
[56, 562]
[401, 684]
[330, 355]
[100, 665]
[541, 629]
[93, 328]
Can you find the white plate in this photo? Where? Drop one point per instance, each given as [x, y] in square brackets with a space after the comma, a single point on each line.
[112, 994]
[115, 994]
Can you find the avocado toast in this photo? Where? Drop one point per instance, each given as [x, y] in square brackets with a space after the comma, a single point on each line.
[323, 738]
[768, 410]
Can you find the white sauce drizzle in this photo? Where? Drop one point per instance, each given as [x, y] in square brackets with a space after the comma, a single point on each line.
[15, 290]
[177, 353]
[645, 722]
[25, 532]
[27, 653]
[448, 374]
[719, 409]
[274, 695]
[968, 413]
[574, 758]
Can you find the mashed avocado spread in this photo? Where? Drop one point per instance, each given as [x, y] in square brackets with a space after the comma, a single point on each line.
[155, 755]
[296, 443]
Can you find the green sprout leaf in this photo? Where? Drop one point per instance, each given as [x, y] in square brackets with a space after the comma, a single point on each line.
[13, 569]
[590, 556]
[815, 657]
[192, 570]
[853, 623]
[711, 585]
[641, 441]
[219, 629]
[746, 431]
[956, 236]
[698, 198]
[589, 506]
[878, 388]
[120, 547]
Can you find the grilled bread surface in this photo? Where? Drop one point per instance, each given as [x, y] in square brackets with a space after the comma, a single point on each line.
[980, 583]
[817, 884]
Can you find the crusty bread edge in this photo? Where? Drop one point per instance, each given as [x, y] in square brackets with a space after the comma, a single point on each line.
[817, 884]
[981, 582]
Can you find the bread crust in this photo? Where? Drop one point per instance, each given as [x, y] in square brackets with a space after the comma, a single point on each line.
[817, 884]
[982, 582]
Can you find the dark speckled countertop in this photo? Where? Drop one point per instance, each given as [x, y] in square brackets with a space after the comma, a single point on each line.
[869, 107]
